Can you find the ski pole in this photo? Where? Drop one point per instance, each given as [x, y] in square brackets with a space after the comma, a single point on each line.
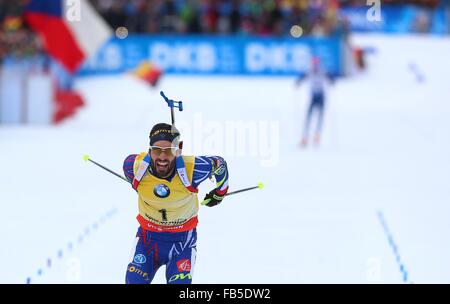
[260, 186]
[205, 202]
[86, 158]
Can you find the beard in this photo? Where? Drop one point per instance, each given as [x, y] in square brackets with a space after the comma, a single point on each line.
[163, 168]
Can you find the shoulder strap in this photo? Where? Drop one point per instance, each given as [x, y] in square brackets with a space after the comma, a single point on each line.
[182, 174]
[142, 169]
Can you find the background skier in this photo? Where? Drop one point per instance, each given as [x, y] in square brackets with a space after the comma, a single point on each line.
[317, 79]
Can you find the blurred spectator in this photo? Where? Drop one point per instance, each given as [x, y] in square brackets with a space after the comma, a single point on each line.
[114, 13]
[422, 22]
[190, 19]
[210, 16]
[235, 17]
[170, 22]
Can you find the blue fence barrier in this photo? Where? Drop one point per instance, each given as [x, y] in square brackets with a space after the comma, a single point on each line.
[220, 55]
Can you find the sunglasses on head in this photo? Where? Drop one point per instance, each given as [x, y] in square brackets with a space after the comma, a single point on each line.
[169, 150]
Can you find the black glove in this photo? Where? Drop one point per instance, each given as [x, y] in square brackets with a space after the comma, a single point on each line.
[214, 198]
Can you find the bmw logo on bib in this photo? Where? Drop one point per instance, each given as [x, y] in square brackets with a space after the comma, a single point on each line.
[161, 190]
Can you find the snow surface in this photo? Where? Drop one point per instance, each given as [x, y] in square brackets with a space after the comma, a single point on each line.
[385, 154]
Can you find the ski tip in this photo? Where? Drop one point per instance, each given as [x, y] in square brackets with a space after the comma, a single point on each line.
[86, 157]
[260, 185]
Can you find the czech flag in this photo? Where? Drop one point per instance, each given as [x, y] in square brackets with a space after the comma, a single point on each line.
[70, 30]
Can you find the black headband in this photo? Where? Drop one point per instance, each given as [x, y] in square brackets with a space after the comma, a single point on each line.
[163, 131]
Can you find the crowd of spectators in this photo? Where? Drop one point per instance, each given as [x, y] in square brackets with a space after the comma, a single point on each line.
[247, 17]
[16, 39]
[216, 17]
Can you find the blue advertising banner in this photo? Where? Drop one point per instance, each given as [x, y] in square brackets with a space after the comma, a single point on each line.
[396, 19]
[221, 55]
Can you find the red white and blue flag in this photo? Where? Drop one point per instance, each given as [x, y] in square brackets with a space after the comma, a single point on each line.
[68, 36]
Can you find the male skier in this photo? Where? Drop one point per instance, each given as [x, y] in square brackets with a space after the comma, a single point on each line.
[317, 79]
[166, 183]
